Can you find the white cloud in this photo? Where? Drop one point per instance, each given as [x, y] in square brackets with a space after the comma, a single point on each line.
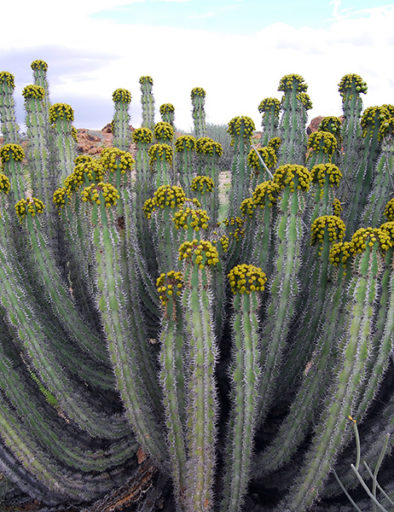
[237, 71]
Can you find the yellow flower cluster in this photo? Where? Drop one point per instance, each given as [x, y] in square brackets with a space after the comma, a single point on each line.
[4, 183]
[388, 228]
[7, 78]
[121, 95]
[197, 91]
[340, 253]
[114, 158]
[390, 108]
[246, 279]
[304, 98]
[334, 225]
[269, 105]
[266, 189]
[321, 172]
[374, 117]
[185, 143]
[364, 237]
[163, 131]
[169, 196]
[38, 65]
[207, 146]
[275, 143]
[248, 207]
[224, 241]
[143, 135]
[202, 184]
[200, 252]
[30, 206]
[33, 92]
[238, 223]
[337, 207]
[389, 210]
[59, 198]
[146, 80]
[74, 133]
[268, 155]
[386, 128]
[325, 141]
[167, 108]
[82, 159]
[241, 125]
[352, 83]
[289, 82]
[330, 124]
[108, 192]
[297, 176]
[168, 285]
[12, 152]
[60, 111]
[89, 171]
[186, 218]
[160, 151]
[149, 207]
[192, 203]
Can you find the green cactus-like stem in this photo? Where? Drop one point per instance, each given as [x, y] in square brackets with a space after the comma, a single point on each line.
[40, 68]
[362, 177]
[9, 127]
[201, 389]
[64, 147]
[166, 237]
[185, 147]
[161, 158]
[245, 375]
[262, 252]
[284, 290]
[119, 328]
[121, 121]
[269, 108]
[321, 146]
[198, 113]
[344, 391]
[147, 102]
[172, 375]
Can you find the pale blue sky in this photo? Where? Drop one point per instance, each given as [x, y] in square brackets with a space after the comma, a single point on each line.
[236, 49]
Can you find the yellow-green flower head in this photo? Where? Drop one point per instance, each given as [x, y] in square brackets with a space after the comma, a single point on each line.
[71, 184]
[364, 237]
[146, 80]
[266, 189]
[207, 146]
[60, 197]
[323, 141]
[121, 95]
[198, 91]
[235, 227]
[186, 218]
[164, 131]
[149, 207]
[296, 176]
[60, 111]
[87, 172]
[7, 79]
[337, 207]
[323, 172]
[185, 143]
[373, 117]
[38, 65]
[4, 184]
[330, 124]
[246, 279]
[334, 226]
[352, 83]
[340, 253]
[167, 108]
[199, 252]
[293, 81]
[74, 133]
[12, 152]
[33, 92]
[389, 210]
[241, 126]
[390, 108]
[388, 228]
[168, 196]
[94, 192]
[29, 206]
[223, 240]
[192, 203]
[267, 154]
[386, 128]
[142, 135]
[304, 98]
[202, 184]
[269, 105]
[160, 151]
[248, 207]
[82, 159]
[114, 158]
[275, 143]
[169, 285]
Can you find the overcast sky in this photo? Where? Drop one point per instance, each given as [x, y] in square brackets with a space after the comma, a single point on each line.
[237, 50]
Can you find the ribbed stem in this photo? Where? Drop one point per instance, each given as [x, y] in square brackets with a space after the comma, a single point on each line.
[9, 128]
